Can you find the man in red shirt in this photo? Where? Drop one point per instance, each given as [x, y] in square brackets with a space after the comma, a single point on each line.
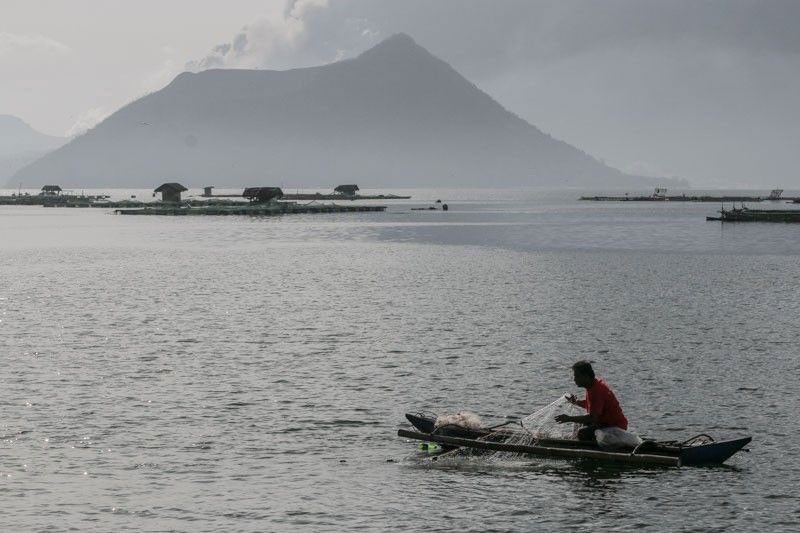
[601, 404]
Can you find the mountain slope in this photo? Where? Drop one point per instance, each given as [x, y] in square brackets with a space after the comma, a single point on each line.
[21, 145]
[395, 115]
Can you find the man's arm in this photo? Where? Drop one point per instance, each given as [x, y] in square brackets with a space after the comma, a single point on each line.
[574, 401]
[587, 419]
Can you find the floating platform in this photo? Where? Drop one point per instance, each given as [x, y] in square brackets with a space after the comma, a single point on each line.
[744, 214]
[265, 209]
[132, 204]
[319, 196]
[660, 195]
[50, 200]
[684, 198]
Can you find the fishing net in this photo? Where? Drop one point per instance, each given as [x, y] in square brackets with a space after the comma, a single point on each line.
[529, 431]
[542, 424]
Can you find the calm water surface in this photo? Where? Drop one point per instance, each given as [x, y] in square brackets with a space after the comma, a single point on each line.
[249, 374]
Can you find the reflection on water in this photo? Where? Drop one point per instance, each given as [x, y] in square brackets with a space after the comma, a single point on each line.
[212, 374]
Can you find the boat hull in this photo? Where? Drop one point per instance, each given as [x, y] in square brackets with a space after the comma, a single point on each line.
[714, 453]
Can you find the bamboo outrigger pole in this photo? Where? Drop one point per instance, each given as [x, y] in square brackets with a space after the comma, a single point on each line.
[545, 451]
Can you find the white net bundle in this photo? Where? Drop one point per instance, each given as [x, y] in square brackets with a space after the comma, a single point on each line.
[463, 419]
[530, 430]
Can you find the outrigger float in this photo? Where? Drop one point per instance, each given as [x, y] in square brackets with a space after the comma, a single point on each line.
[698, 450]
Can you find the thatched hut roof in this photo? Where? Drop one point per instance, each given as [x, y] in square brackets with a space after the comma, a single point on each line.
[349, 190]
[171, 187]
[262, 194]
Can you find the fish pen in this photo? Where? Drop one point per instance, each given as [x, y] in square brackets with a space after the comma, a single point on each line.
[256, 209]
[743, 214]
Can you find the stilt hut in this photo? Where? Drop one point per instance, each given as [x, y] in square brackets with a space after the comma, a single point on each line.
[346, 190]
[51, 190]
[171, 192]
[260, 195]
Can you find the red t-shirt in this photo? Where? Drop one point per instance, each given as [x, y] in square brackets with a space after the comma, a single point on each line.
[601, 402]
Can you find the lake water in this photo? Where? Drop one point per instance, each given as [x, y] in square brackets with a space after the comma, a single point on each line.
[250, 374]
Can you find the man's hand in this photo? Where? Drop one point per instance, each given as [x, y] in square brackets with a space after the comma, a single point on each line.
[563, 418]
[571, 399]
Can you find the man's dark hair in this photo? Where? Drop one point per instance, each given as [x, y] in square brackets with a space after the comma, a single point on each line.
[584, 368]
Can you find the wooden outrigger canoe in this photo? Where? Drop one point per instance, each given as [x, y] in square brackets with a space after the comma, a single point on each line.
[648, 453]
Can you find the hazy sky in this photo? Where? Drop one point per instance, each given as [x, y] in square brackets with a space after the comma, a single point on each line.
[705, 90]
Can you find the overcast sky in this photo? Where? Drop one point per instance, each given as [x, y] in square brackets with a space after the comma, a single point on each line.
[705, 90]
